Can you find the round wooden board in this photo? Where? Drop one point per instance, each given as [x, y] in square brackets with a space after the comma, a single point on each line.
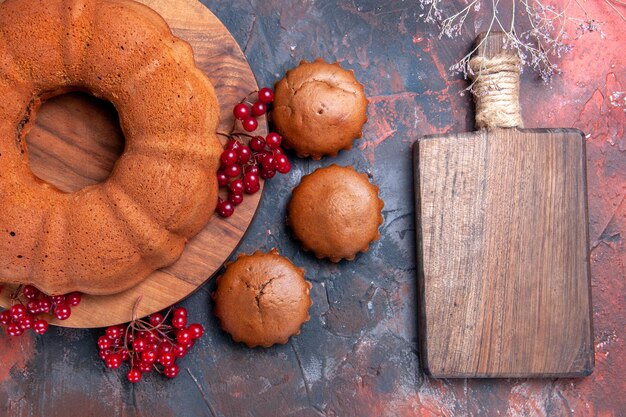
[76, 141]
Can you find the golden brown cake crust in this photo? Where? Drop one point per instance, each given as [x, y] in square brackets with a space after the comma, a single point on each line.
[262, 299]
[335, 212]
[319, 109]
[107, 237]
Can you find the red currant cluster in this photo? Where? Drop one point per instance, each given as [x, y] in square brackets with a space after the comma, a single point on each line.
[32, 315]
[248, 112]
[240, 172]
[150, 344]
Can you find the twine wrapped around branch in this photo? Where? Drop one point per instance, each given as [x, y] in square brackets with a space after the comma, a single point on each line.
[496, 91]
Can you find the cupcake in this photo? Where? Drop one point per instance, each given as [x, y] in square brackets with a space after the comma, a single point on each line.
[319, 109]
[335, 212]
[262, 299]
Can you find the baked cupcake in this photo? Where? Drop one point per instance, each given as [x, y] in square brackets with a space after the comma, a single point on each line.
[335, 212]
[262, 299]
[319, 109]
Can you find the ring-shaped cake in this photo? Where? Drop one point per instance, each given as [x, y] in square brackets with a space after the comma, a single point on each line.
[162, 191]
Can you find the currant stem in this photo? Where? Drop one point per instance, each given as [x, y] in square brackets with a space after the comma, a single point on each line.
[163, 334]
[227, 135]
[242, 134]
[126, 333]
[135, 306]
[15, 296]
[245, 99]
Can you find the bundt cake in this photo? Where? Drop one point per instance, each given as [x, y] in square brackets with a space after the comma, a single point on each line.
[107, 237]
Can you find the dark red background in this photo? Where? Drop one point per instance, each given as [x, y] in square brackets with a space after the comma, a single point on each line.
[358, 354]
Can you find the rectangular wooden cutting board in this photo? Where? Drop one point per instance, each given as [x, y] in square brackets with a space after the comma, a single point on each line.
[503, 265]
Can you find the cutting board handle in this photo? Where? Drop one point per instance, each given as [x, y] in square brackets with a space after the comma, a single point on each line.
[495, 73]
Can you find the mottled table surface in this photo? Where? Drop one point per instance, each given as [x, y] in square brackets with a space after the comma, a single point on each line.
[358, 356]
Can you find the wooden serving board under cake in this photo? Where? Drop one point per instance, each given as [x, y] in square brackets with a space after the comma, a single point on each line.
[94, 143]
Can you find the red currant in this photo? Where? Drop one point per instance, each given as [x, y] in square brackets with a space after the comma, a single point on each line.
[171, 371]
[266, 95]
[148, 336]
[153, 337]
[149, 356]
[154, 346]
[250, 178]
[196, 330]
[139, 344]
[26, 322]
[124, 354]
[165, 347]
[30, 292]
[232, 144]
[45, 304]
[166, 359]
[251, 183]
[73, 299]
[179, 322]
[250, 124]
[62, 311]
[58, 299]
[273, 140]
[222, 178]
[268, 163]
[184, 336]
[235, 198]
[236, 186]
[156, 319]
[145, 367]
[14, 330]
[180, 312]
[134, 375]
[257, 143]
[229, 157]
[282, 164]
[5, 317]
[267, 174]
[253, 188]
[233, 171]
[244, 154]
[40, 326]
[241, 111]
[113, 361]
[253, 169]
[179, 351]
[104, 343]
[18, 311]
[33, 306]
[114, 332]
[259, 108]
[225, 209]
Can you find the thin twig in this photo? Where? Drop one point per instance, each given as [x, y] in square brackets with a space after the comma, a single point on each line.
[615, 8]
[204, 396]
[546, 35]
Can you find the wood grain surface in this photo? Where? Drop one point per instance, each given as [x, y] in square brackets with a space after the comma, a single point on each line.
[503, 250]
[504, 267]
[77, 139]
[359, 356]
